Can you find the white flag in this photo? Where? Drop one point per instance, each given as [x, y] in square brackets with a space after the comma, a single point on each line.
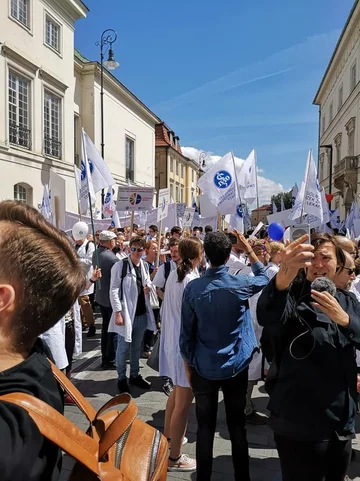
[247, 178]
[294, 194]
[236, 221]
[46, 204]
[335, 219]
[109, 204]
[100, 174]
[219, 185]
[87, 194]
[282, 203]
[115, 219]
[325, 208]
[308, 200]
[274, 208]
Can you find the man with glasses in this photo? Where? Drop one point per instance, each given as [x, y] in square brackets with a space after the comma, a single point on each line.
[132, 312]
[346, 275]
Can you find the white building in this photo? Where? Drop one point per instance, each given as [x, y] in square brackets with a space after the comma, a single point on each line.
[129, 126]
[338, 98]
[37, 97]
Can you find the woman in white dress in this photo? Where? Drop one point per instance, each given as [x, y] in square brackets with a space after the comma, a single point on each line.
[171, 361]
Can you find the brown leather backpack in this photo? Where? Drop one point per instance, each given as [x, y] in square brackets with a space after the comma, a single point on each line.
[116, 447]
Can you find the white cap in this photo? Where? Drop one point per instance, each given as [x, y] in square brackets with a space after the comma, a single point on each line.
[107, 235]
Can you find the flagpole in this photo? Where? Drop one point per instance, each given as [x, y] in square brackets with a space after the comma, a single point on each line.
[159, 243]
[77, 194]
[132, 224]
[237, 185]
[306, 185]
[256, 178]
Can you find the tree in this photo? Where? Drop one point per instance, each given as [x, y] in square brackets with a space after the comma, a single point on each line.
[287, 200]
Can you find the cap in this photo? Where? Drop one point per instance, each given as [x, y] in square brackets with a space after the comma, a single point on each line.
[107, 235]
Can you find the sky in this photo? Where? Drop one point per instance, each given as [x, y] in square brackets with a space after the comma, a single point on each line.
[230, 75]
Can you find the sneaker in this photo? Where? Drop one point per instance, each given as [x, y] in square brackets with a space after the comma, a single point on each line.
[147, 354]
[140, 382]
[123, 386]
[183, 464]
[68, 401]
[91, 332]
[256, 418]
[168, 387]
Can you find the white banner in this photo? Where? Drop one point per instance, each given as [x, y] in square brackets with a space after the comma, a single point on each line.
[207, 209]
[188, 217]
[163, 204]
[134, 198]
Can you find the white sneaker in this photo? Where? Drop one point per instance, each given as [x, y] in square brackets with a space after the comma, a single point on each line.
[183, 464]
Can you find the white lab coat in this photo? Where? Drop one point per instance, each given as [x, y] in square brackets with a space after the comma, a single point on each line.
[85, 258]
[78, 329]
[127, 306]
[54, 338]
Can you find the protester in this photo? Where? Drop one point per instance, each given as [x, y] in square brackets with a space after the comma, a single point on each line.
[132, 313]
[119, 249]
[40, 280]
[105, 259]
[176, 232]
[151, 250]
[171, 362]
[314, 334]
[347, 245]
[217, 342]
[237, 259]
[85, 250]
[153, 232]
[208, 229]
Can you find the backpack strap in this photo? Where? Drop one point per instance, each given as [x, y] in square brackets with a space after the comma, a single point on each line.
[167, 269]
[123, 274]
[59, 430]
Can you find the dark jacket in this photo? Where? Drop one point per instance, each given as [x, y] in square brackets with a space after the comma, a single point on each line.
[104, 258]
[314, 395]
[24, 453]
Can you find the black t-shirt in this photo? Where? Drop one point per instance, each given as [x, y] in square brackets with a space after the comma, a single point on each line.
[140, 306]
[24, 453]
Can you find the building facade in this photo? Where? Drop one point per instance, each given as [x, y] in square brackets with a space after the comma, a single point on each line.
[260, 215]
[173, 170]
[338, 98]
[37, 96]
[129, 126]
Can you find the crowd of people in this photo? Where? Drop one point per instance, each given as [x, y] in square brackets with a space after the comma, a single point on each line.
[226, 310]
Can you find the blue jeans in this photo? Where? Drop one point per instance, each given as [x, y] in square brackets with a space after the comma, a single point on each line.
[139, 327]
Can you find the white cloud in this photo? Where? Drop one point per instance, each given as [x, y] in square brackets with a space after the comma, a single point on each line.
[267, 187]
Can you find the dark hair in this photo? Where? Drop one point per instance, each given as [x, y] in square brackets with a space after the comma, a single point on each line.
[120, 230]
[138, 241]
[200, 229]
[208, 229]
[217, 247]
[39, 262]
[189, 249]
[173, 242]
[135, 226]
[176, 230]
[154, 228]
[318, 239]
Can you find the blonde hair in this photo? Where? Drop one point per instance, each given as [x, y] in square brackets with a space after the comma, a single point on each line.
[276, 248]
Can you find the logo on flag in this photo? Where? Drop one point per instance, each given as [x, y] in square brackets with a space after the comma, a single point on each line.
[83, 170]
[107, 198]
[239, 211]
[222, 179]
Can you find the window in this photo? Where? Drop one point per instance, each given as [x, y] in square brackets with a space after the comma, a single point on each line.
[182, 194]
[52, 34]
[171, 138]
[192, 176]
[337, 142]
[23, 193]
[331, 113]
[19, 132]
[177, 167]
[323, 124]
[172, 191]
[321, 173]
[20, 11]
[129, 154]
[52, 133]
[171, 164]
[341, 93]
[353, 79]
[182, 171]
[177, 193]
[350, 129]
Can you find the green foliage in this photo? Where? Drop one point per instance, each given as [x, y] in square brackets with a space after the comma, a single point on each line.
[287, 200]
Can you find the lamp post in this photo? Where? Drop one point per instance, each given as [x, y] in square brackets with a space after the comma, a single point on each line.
[108, 37]
[330, 147]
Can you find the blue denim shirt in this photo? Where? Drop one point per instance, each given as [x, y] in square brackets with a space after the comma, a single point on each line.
[217, 336]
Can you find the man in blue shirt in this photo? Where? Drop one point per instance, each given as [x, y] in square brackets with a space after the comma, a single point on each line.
[217, 342]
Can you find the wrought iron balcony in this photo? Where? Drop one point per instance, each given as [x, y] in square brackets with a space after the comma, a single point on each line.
[52, 147]
[345, 173]
[18, 135]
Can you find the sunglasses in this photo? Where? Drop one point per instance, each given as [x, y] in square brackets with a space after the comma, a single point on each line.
[350, 270]
[139, 249]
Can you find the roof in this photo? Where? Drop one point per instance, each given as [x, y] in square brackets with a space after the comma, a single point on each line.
[315, 101]
[263, 207]
[78, 55]
[162, 137]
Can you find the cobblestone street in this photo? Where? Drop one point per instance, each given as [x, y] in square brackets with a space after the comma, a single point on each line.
[98, 386]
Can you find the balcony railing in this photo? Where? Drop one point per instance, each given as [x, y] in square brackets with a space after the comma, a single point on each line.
[19, 136]
[52, 147]
[346, 164]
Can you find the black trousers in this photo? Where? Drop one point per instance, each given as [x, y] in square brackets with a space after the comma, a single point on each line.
[69, 344]
[108, 339]
[313, 461]
[206, 398]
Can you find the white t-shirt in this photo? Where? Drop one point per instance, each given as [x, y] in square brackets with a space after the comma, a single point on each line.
[159, 280]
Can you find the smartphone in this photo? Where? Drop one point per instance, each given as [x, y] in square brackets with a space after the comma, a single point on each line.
[233, 238]
[298, 231]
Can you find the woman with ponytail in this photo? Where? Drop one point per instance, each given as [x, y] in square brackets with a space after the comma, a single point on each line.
[171, 361]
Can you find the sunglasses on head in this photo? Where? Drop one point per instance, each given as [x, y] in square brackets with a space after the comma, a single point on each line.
[138, 249]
